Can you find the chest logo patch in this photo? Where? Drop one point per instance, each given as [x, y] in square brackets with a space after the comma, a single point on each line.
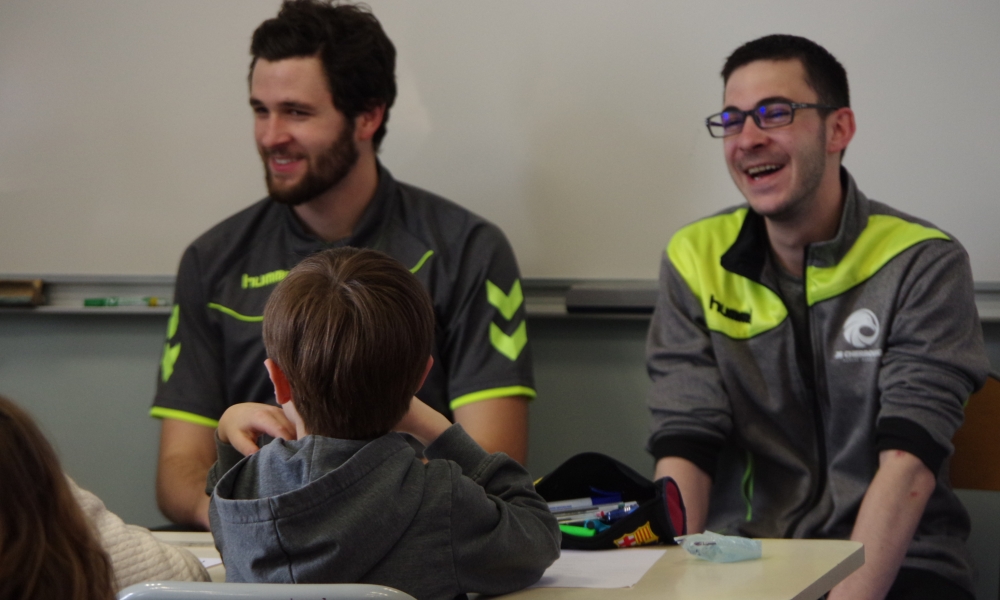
[861, 330]
[258, 281]
[729, 313]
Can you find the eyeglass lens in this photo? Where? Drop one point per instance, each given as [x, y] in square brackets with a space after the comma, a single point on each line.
[730, 122]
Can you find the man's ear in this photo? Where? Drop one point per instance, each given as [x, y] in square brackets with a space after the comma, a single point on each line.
[282, 389]
[427, 371]
[368, 122]
[840, 130]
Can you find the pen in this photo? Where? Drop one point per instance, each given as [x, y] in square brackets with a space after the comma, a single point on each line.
[599, 498]
[126, 301]
[611, 516]
[594, 512]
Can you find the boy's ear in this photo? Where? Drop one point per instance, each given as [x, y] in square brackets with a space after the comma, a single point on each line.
[282, 389]
[427, 371]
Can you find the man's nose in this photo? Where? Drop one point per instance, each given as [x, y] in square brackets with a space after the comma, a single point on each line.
[272, 132]
[751, 135]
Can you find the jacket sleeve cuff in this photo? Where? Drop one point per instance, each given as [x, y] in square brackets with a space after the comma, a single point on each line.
[703, 452]
[897, 433]
[227, 458]
[454, 444]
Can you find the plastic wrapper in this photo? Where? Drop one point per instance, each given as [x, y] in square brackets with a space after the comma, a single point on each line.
[720, 548]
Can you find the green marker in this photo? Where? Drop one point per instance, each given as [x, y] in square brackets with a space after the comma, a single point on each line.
[577, 530]
[127, 301]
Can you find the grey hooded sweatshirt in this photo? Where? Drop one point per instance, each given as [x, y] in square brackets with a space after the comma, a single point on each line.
[321, 509]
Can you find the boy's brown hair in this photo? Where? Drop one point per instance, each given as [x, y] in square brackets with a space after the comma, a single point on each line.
[352, 331]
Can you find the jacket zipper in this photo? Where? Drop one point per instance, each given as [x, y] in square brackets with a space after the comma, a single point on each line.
[815, 396]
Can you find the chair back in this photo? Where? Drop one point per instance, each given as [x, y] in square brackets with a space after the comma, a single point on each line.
[975, 465]
[186, 590]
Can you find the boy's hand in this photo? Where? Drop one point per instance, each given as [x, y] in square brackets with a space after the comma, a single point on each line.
[242, 423]
[422, 422]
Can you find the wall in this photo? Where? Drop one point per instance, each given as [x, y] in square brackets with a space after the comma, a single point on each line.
[576, 125]
[90, 380]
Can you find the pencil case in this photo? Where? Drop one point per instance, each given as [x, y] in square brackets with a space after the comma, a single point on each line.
[657, 519]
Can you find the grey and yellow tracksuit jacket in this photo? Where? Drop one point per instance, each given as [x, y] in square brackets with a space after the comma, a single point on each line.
[896, 349]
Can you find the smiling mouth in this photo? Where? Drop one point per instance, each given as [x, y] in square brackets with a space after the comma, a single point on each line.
[281, 164]
[758, 171]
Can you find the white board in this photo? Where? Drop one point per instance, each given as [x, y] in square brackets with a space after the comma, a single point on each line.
[576, 125]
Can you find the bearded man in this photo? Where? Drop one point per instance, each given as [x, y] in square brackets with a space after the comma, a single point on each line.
[321, 85]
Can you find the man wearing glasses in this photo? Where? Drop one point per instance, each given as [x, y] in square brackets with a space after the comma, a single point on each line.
[811, 352]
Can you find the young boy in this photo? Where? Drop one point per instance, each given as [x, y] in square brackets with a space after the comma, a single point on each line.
[342, 497]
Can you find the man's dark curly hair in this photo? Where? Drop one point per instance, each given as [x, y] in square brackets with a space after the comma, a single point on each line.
[358, 58]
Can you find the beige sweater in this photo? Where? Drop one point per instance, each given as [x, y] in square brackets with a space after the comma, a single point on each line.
[136, 555]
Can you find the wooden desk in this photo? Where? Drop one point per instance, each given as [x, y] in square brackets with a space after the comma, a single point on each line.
[788, 570]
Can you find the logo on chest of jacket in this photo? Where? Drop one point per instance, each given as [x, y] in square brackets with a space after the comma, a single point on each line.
[861, 330]
[729, 313]
[265, 280]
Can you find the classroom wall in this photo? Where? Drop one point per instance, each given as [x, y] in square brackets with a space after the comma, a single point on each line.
[89, 380]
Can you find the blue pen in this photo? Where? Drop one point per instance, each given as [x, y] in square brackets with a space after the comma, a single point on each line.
[614, 515]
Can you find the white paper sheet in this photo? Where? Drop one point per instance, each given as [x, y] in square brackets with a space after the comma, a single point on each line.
[208, 563]
[600, 568]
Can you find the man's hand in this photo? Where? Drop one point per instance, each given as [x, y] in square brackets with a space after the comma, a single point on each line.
[241, 424]
[187, 452]
[498, 425]
[695, 486]
[889, 514]
[422, 422]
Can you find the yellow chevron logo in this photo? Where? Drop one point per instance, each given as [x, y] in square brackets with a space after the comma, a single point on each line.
[508, 303]
[509, 345]
[170, 354]
[175, 319]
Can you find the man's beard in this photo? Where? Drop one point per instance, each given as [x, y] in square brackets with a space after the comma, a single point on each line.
[331, 166]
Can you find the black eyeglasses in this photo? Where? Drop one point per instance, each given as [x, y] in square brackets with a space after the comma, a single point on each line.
[766, 116]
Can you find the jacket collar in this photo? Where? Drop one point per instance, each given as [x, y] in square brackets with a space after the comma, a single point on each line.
[748, 254]
[376, 216]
